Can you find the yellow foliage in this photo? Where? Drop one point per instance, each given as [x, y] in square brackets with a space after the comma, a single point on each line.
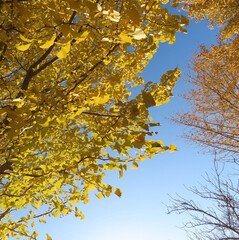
[223, 13]
[23, 47]
[66, 70]
[118, 192]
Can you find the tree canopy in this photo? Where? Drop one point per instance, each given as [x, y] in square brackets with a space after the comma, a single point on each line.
[222, 13]
[66, 114]
[214, 99]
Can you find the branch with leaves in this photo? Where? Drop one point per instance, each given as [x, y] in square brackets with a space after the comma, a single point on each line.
[67, 69]
[212, 121]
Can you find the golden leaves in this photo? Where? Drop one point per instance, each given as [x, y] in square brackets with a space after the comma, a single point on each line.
[124, 37]
[148, 99]
[81, 37]
[25, 39]
[65, 49]
[23, 47]
[218, 13]
[79, 214]
[69, 69]
[112, 15]
[99, 195]
[48, 237]
[133, 14]
[3, 36]
[172, 148]
[138, 34]
[134, 165]
[48, 43]
[118, 192]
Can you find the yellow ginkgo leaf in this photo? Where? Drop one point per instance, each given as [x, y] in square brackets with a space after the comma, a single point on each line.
[148, 99]
[82, 37]
[124, 37]
[23, 47]
[172, 40]
[100, 195]
[118, 192]
[64, 50]
[49, 43]
[172, 148]
[25, 39]
[91, 187]
[134, 165]
[48, 237]
[138, 34]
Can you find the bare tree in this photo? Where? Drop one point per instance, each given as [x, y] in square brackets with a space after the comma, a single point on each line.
[217, 215]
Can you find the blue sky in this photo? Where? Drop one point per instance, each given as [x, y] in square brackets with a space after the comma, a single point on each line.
[140, 214]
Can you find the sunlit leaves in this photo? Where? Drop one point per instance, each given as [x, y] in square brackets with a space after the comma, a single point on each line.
[223, 13]
[112, 15]
[25, 39]
[65, 49]
[48, 43]
[23, 47]
[138, 34]
[67, 113]
[134, 165]
[48, 237]
[172, 148]
[99, 195]
[124, 37]
[79, 214]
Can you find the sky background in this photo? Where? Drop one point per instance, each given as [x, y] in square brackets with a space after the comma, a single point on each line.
[140, 214]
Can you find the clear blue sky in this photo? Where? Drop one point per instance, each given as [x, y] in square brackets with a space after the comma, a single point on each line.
[140, 214]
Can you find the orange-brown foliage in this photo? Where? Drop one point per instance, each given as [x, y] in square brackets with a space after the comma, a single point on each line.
[214, 116]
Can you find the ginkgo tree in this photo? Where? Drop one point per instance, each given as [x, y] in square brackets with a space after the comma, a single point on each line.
[66, 115]
[222, 13]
